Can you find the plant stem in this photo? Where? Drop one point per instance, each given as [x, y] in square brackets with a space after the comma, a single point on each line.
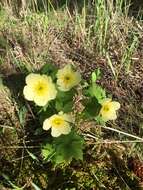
[122, 132]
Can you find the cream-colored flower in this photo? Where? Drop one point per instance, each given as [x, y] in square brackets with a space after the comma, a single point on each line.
[67, 78]
[39, 88]
[108, 110]
[59, 124]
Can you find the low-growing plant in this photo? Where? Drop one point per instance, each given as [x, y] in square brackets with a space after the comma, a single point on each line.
[54, 91]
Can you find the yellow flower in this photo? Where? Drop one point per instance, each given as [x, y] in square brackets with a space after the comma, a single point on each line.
[108, 110]
[39, 89]
[59, 124]
[67, 78]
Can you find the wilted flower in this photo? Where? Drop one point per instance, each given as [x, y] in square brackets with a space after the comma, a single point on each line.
[108, 110]
[39, 89]
[67, 78]
[59, 124]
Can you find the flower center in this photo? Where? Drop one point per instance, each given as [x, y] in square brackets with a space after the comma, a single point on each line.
[57, 122]
[106, 108]
[40, 89]
[67, 79]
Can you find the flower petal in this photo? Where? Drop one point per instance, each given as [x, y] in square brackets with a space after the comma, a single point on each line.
[40, 100]
[113, 116]
[65, 129]
[67, 118]
[116, 105]
[52, 92]
[77, 78]
[109, 116]
[106, 101]
[32, 78]
[55, 132]
[62, 88]
[47, 124]
[28, 93]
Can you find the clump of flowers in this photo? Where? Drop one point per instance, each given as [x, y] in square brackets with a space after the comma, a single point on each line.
[53, 91]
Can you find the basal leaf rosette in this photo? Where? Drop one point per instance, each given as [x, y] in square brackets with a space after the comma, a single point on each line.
[108, 109]
[59, 124]
[67, 78]
[39, 88]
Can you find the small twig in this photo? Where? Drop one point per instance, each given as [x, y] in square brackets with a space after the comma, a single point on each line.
[14, 160]
[20, 147]
[21, 163]
[6, 126]
[31, 111]
[92, 136]
[117, 142]
[101, 141]
[122, 132]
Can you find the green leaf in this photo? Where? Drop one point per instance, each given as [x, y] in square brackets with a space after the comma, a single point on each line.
[59, 105]
[99, 120]
[47, 151]
[58, 159]
[68, 147]
[22, 115]
[98, 73]
[38, 131]
[66, 96]
[64, 101]
[92, 108]
[44, 114]
[67, 107]
[95, 75]
[49, 69]
[32, 155]
[98, 92]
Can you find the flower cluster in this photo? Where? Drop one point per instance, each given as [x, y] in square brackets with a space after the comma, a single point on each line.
[41, 89]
